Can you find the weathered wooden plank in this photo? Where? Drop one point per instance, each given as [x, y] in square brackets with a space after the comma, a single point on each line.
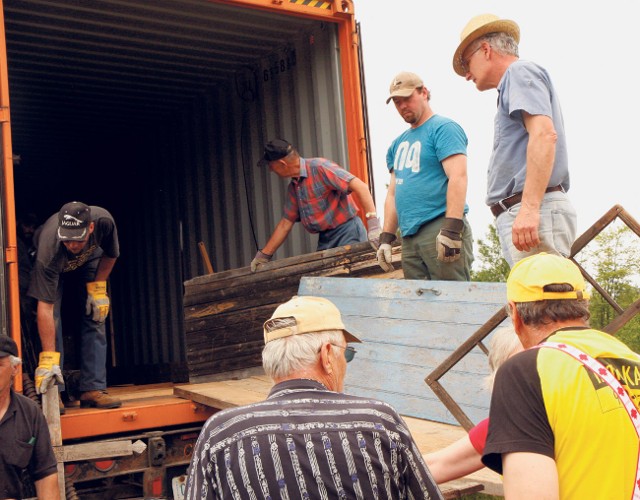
[226, 393]
[440, 324]
[224, 312]
[342, 261]
[412, 290]
[408, 328]
[96, 450]
[215, 366]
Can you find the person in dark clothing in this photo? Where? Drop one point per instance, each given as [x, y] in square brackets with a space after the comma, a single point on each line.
[77, 248]
[25, 443]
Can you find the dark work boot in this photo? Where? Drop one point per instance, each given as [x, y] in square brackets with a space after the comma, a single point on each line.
[99, 399]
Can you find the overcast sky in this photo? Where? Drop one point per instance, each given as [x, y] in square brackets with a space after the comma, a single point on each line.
[591, 51]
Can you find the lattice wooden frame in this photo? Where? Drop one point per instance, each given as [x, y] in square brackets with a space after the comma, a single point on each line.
[624, 315]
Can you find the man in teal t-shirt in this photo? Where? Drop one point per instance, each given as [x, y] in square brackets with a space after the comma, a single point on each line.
[427, 191]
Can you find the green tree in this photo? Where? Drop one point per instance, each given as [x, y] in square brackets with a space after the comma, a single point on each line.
[613, 260]
[493, 267]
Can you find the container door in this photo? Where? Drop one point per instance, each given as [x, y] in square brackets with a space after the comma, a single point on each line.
[9, 321]
[365, 112]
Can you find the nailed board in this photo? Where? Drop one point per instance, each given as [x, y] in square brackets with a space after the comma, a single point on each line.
[408, 328]
[224, 312]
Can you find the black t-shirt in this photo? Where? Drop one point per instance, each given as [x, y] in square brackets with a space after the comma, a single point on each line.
[26, 444]
[53, 259]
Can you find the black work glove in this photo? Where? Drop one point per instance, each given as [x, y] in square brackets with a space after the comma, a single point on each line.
[449, 240]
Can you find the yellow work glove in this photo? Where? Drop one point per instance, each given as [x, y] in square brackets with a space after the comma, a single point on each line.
[48, 372]
[97, 301]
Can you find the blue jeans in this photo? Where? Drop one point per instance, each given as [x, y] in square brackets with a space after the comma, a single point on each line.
[348, 233]
[420, 255]
[93, 338]
[557, 231]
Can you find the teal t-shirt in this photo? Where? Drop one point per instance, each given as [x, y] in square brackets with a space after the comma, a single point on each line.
[421, 184]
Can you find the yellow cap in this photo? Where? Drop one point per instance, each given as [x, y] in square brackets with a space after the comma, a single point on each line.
[529, 276]
[304, 315]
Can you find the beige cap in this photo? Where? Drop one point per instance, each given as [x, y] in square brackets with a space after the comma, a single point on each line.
[479, 26]
[403, 85]
[304, 315]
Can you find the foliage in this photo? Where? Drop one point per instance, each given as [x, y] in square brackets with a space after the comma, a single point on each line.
[612, 259]
[614, 262]
[493, 266]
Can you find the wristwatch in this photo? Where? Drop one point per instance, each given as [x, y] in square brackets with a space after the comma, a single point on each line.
[370, 215]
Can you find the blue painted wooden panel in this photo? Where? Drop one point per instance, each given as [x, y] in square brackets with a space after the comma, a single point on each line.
[409, 327]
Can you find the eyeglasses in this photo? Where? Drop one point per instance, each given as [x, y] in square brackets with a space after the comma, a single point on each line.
[464, 61]
[349, 352]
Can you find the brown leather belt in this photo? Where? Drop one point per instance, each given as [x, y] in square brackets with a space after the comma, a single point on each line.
[506, 203]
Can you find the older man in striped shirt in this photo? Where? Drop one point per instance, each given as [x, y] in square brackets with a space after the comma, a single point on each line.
[307, 439]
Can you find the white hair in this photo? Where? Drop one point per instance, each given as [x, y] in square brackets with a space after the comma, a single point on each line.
[285, 356]
[503, 344]
[14, 360]
[501, 42]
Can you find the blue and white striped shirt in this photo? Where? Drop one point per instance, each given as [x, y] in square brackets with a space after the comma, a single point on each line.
[307, 442]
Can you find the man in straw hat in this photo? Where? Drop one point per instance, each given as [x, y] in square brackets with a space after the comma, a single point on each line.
[528, 171]
[427, 190]
[308, 439]
[563, 422]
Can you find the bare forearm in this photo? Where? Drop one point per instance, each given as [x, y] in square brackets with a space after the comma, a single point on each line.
[280, 233]
[105, 266]
[47, 488]
[541, 152]
[364, 196]
[46, 326]
[456, 196]
[455, 461]
[540, 157]
[455, 167]
[390, 214]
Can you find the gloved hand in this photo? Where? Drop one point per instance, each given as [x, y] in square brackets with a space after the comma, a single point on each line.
[384, 252]
[260, 258]
[48, 371]
[449, 240]
[373, 233]
[97, 301]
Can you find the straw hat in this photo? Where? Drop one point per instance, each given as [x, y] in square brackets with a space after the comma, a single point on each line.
[480, 26]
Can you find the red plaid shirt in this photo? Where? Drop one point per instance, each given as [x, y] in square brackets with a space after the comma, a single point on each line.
[320, 196]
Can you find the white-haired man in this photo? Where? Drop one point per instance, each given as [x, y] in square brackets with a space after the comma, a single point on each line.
[528, 173]
[307, 439]
[25, 443]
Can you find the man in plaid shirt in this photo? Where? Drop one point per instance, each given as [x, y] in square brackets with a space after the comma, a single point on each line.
[318, 196]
